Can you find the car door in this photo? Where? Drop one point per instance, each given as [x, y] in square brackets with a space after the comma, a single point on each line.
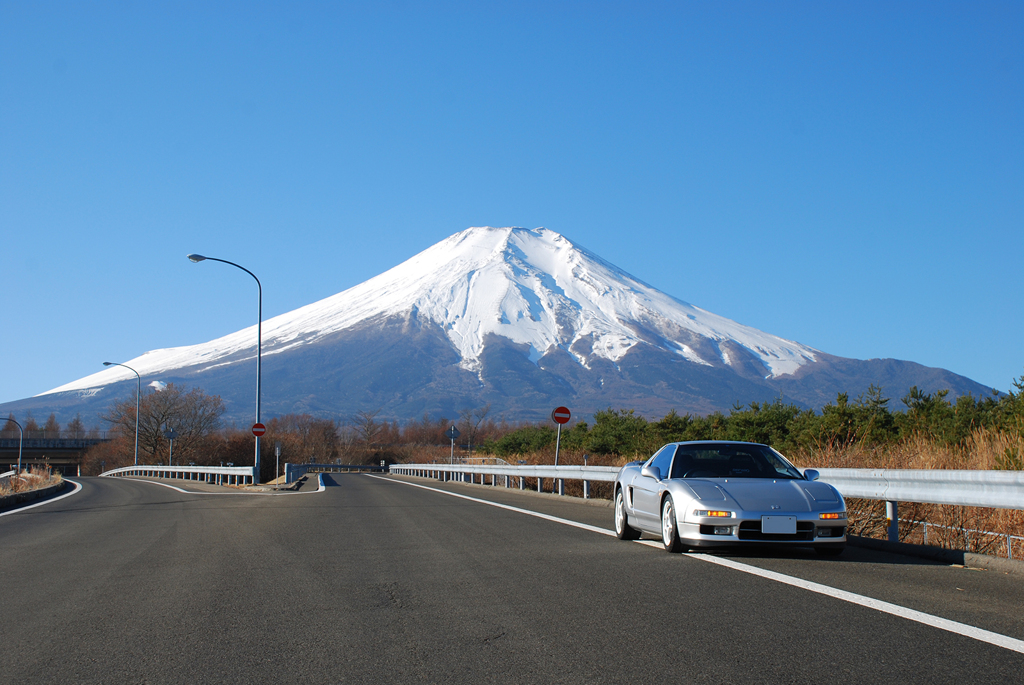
[647, 491]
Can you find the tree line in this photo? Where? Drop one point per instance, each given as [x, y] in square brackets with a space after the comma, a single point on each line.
[203, 439]
[50, 430]
[866, 421]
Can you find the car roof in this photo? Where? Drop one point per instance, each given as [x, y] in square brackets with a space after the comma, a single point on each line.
[718, 442]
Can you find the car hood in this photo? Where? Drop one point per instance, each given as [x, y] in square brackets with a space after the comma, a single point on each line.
[762, 494]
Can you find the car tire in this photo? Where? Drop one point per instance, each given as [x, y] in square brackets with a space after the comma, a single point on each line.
[670, 527]
[830, 550]
[623, 530]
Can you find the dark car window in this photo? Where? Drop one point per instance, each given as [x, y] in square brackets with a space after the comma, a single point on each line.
[662, 459]
[730, 461]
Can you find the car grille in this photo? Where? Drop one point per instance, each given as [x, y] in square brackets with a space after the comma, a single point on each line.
[751, 530]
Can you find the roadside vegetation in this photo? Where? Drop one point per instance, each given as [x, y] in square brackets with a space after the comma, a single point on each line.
[34, 478]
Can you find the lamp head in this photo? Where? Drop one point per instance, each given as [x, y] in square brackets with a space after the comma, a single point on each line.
[108, 363]
[196, 258]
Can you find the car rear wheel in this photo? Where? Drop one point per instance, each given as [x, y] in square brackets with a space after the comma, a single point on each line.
[623, 530]
[669, 527]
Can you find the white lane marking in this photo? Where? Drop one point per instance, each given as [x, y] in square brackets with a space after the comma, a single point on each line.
[877, 604]
[546, 517]
[956, 627]
[320, 480]
[78, 487]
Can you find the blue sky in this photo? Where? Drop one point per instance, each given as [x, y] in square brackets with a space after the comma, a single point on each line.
[846, 175]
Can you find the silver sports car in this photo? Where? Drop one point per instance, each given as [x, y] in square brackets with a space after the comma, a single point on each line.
[716, 494]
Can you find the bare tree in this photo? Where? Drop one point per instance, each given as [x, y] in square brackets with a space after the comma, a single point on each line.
[471, 420]
[347, 439]
[10, 428]
[367, 427]
[194, 415]
[304, 437]
[75, 429]
[51, 429]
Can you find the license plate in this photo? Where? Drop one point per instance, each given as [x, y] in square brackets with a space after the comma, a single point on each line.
[778, 525]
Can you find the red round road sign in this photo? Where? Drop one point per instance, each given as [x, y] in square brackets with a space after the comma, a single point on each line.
[561, 415]
[258, 429]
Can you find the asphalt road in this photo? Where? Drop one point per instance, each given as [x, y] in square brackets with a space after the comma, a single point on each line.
[375, 580]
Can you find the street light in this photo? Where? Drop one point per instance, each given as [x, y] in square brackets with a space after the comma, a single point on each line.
[21, 441]
[138, 399]
[259, 343]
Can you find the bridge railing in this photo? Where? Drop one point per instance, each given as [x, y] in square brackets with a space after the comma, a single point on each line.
[293, 472]
[218, 475]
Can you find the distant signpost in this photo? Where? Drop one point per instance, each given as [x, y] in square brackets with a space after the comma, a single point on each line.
[258, 429]
[560, 415]
[452, 433]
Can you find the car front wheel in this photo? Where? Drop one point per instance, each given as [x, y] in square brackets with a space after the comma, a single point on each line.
[623, 530]
[669, 527]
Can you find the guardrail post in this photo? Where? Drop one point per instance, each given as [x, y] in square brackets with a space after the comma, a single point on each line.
[892, 520]
[586, 489]
[540, 485]
[522, 482]
[561, 486]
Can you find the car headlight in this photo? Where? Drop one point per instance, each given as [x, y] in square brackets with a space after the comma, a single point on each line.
[832, 516]
[712, 513]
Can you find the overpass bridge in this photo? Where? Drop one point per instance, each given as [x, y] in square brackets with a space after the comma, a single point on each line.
[59, 454]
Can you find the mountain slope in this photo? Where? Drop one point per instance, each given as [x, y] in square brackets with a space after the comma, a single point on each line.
[520, 318]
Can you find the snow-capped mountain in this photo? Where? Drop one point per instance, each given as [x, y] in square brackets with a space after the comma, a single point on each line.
[519, 318]
[533, 287]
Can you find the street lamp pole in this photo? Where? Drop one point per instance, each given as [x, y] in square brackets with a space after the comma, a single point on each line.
[21, 441]
[259, 344]
[138, 400]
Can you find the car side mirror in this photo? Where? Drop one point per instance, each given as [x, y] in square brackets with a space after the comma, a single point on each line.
[651, 472]
[811, 474]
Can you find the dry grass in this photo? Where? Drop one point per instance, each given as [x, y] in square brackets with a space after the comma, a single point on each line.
[32, 479]
[949, 527]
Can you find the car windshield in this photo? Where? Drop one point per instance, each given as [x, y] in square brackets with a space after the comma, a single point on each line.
[731, 461]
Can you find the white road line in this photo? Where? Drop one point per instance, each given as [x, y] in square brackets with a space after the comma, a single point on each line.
[546, 517]
[78, 487]
[267, 494]
[979, 634]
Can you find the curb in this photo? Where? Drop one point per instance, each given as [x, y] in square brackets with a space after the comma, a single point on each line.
[12, 500]
[951, 556]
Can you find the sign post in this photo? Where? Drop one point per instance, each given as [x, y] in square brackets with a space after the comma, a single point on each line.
[170, 434]
[277, 466]
[452, 433]
[560, 415]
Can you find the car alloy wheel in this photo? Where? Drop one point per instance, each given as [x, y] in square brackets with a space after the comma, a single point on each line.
[669, 534]
[623, 530]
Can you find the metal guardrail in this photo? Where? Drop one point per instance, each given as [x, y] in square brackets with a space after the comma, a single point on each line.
[219, 475]
[996, 489]
[468, 473]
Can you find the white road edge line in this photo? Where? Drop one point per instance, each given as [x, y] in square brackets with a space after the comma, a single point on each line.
[78, 486]
[956, 627]
[320, 480]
